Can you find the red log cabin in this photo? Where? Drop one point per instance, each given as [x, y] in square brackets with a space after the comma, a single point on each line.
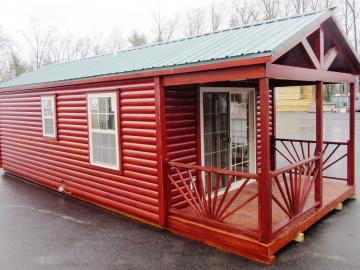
[181, 134]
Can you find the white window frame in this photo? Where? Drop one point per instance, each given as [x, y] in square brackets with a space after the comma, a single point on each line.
[115, 131]
[43, 117]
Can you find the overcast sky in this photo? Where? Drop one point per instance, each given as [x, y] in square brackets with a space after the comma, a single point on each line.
[88, 16]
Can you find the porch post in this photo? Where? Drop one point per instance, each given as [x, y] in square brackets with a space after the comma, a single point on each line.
[161, 150]
[351, 142]
[273, 130]
[264, 181]
[319, 141]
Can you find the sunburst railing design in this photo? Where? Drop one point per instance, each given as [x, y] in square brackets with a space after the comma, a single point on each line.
[293, 151]
[293, 185]
[201, 188]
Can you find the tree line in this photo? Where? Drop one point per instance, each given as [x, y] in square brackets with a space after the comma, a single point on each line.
[42, 44]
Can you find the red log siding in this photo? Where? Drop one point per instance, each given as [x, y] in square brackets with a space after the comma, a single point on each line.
[258, 126]
[27, 154]
[181, 130]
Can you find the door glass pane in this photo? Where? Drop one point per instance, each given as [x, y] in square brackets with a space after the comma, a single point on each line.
[216, 129]
[110, 122]
[111, 104]
[94, 105]
[239, 108]
[216, 116]
[102, 104]
[102, 121]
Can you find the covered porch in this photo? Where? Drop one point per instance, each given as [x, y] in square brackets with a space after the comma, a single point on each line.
[243, 210]
[263, 191]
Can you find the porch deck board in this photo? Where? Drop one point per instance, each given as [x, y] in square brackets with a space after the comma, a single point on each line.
[247, 219]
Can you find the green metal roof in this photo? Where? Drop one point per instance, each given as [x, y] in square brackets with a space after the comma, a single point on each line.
[255, 40]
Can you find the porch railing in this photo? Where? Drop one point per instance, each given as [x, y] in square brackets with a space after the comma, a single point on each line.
[292, 188]
[212, 196]
[227, 199]
[335, 155]
[294, 183]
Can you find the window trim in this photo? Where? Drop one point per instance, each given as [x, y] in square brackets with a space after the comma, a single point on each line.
[53, 136]
[97, 165]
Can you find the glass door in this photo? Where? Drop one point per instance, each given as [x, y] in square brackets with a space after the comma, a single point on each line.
[227, 129]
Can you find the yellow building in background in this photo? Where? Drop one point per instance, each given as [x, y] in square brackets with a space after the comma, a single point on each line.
[295, 98]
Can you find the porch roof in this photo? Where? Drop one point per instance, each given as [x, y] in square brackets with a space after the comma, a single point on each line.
[250, 41]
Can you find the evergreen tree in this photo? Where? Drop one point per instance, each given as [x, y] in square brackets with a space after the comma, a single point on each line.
[17, 67]
[137, 39]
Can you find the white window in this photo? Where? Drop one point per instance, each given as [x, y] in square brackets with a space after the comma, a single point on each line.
[48, 116]
[103, 130]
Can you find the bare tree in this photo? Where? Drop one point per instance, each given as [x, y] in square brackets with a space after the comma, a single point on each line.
[39, 39]
[314, 4]
[83, 47]
[354, 12]
[159, 26]
[3, 40]
[164, 28]
[137, 39]
[56, 51]
[171, 27]
[61, 50]
[69, 48]
[246, 11]
[216, 15]
[328, 3]
[116, 40]
[300, 6]
[195, 21]
[271, 9]
[286, 7]
[97, 45]
[346, 17]
[3, 47]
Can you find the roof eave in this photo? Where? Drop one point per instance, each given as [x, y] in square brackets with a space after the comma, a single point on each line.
[225, 63]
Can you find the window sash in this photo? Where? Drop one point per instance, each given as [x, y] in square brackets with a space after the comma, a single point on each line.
[103, 131]
[46, 99]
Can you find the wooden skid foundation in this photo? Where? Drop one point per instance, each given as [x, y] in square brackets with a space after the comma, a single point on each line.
[249, 247]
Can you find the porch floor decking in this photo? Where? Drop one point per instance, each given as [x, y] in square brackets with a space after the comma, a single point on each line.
[246, 218]
[334, 192]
